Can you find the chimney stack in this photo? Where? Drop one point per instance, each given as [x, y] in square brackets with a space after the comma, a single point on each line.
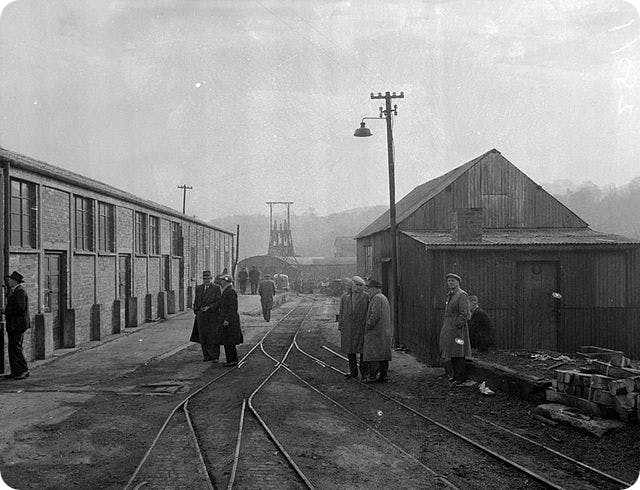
[466, 225]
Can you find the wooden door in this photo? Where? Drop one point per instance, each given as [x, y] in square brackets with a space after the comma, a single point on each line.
[54, 294]
[124, 287]
[538, 312]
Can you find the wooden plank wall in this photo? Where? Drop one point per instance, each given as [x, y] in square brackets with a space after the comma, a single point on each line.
[600, 304]
[508, 197]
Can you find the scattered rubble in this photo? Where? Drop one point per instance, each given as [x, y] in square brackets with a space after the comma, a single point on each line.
[608, 386]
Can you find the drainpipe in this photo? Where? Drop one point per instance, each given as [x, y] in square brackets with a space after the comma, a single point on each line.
[6, 235]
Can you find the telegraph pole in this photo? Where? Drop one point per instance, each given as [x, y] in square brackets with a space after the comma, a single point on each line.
[184, 188]
[395, 287]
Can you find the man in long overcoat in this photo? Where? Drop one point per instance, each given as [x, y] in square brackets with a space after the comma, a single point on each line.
[254, 279]
[18, 322]
[376, 350]
[454, 335]
[229, 321]
[205, 306]
[267, 290]
[352, 318]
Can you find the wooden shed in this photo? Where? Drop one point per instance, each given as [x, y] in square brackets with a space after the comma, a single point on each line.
[514, 245]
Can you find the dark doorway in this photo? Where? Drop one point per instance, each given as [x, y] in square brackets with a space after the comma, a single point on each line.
[124, 287]
[538, 312]
[54, 294]
[165, 273]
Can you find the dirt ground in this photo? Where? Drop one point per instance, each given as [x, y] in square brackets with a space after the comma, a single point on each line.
[90, 430]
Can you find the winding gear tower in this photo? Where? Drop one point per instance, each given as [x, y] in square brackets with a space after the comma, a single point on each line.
[280, 239]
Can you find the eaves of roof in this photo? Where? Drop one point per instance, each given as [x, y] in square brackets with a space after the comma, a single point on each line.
[63, 175]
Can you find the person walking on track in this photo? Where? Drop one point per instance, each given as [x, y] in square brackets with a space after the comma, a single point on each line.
[376, 349]
[351, 322]
[229, 321]
[267, 290]
[254, 279]
[205, 307]
[18, 322]
[454, 335]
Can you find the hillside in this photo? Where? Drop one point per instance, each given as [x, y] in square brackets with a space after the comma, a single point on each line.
[313, 235]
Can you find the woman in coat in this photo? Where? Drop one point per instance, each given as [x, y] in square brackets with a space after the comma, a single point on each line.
[229, 321]
[454, 336]
[378, 334]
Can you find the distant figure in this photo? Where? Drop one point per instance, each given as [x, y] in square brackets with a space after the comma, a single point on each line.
[243, 275]
[376, 349]
[18, 322]
[229, 330]
[254, 279]
[480, 327]
[454, 336]
[205, 306]
[267, 290]
[351, 323]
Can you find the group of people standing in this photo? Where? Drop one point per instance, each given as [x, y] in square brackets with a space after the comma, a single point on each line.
[217, 321]
[364, 321]
[252, 276]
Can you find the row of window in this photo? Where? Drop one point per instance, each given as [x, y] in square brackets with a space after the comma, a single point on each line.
[147, 228]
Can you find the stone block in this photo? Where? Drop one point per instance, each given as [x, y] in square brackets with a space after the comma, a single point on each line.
[132, 320]
[171, 302]
[162, 304]
[116, 325]
[96, 323]
[69, 328]
[568, 415]
[148, 308]
[43, 333]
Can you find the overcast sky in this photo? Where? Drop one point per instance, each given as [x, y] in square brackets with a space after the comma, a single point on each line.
[249, 101]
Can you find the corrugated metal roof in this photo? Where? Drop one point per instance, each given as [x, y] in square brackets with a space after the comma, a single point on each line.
[418, 196]
[516, 237]
[61, 174]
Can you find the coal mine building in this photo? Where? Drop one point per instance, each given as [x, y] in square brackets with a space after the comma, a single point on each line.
[95, 259]
[547, 280]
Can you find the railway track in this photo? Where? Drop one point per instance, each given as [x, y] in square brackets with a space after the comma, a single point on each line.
[553, 469]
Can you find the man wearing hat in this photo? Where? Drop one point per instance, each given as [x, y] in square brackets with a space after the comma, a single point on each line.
[17, 319]
[351, 323]
[230, 332]
[376, 349]
[454, 336]
[205, 306]
[267, 290]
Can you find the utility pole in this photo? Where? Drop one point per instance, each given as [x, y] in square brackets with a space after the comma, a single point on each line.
[395, 287]
[184, 188]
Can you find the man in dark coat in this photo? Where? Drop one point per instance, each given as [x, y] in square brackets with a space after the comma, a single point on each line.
[480, 327]
[254, 278]
[229, 321]
[205, 306]
[243, 275]
[267, 290]
[17, 320]
[454, 335]
[376, 348]
[351, 322]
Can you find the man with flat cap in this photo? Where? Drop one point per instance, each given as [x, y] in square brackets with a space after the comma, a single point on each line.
[376, 349]
[454, 336]
[17, 320]
[205, 306]
[352, 318]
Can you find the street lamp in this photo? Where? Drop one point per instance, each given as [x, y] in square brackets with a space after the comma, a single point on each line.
[361, 132]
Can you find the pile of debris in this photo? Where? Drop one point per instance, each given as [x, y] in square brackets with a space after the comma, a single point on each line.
[608, 386]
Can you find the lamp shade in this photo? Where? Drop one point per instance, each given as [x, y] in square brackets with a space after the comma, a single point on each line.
[362, 131]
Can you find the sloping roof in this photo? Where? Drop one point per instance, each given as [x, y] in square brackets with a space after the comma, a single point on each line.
[420, 195]
[57, 173]
[528, 237]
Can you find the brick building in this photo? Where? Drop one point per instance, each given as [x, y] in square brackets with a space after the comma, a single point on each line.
[97, 259]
